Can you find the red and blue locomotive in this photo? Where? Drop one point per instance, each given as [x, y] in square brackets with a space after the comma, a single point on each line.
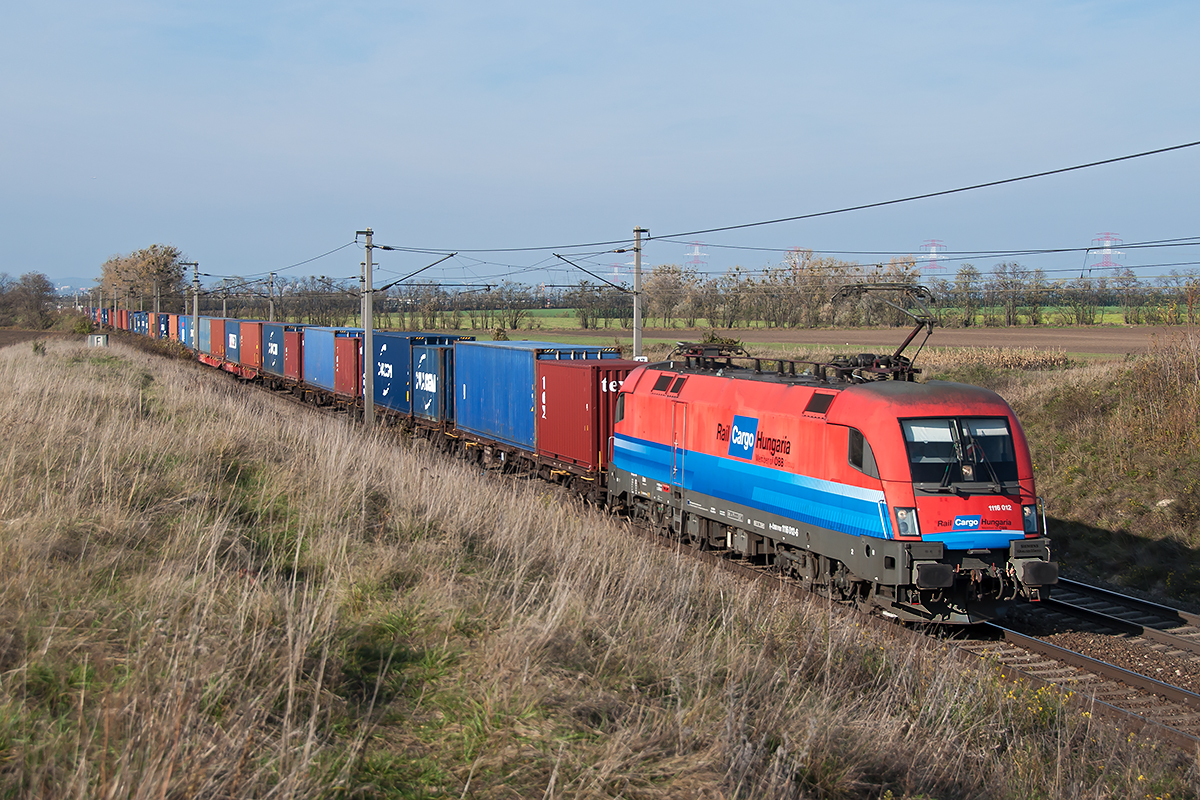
[915, 498]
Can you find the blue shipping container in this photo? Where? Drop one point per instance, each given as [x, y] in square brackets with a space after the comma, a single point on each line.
[272, 345]
[164, 326]
[433, 382]
[233, 340]
[320, 356]
[206, 335]
[393, 359]
[185, 330]
[495, 383]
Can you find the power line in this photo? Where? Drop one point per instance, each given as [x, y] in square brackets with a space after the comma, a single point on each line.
[1183, 241]
[942, 193]
[816, 214]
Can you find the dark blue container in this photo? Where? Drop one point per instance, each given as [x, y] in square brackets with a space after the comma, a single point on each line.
[393, 361]
[494, 386]
[233, 340]
[164, 326]
[272, 348]
[433, 382]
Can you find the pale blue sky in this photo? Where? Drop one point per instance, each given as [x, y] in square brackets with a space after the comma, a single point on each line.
[254, 135]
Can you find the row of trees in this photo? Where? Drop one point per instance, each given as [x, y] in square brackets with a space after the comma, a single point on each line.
[795, 294]
[798, 293]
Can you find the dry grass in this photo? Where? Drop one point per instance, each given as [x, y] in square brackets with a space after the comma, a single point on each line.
[207, 594]
[930, 360]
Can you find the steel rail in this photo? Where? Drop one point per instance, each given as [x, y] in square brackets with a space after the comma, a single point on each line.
[1126, 626]
[1095, 665]
[1170, 615]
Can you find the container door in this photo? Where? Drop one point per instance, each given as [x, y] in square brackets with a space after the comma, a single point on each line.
[678, 442]
[446, 390]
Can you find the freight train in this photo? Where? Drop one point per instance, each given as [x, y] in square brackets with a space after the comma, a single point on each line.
[915, 500]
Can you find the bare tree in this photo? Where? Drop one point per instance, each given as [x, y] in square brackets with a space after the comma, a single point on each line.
[664, 291]
[154, 271]
[30, 302]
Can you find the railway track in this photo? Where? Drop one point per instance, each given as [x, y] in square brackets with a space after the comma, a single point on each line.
[1154, 622]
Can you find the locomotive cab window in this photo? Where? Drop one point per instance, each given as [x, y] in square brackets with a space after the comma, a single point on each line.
[860, 454]
[619, 413]
[946, 452]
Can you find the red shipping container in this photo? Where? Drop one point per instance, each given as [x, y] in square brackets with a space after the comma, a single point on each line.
[217, 340]
[575, 404]
[174, 326]
[250, 345]
[293, 354]
[347, 366]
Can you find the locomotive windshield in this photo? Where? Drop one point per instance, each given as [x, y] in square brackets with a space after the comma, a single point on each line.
[945, 453]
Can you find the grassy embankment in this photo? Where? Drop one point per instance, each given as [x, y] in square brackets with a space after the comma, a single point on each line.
[206, 593]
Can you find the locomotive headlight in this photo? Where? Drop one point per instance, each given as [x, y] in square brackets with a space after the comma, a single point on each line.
[906, 522]
[1029, 514]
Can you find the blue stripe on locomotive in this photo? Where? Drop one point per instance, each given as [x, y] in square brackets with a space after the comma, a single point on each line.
[825, 504]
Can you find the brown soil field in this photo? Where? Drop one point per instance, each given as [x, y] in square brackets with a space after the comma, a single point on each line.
[1099, 340]
[8, 337]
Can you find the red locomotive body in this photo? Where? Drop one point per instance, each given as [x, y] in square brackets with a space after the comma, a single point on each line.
[916, 497]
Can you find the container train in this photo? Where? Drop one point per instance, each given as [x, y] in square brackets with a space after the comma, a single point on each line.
[916, 500]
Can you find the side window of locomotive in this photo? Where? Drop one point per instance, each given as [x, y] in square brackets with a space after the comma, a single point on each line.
[619, 414]
[662, 383]
[861, 456]
[676, 386]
